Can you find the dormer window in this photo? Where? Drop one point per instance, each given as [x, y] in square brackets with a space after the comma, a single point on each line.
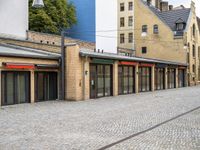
[180, 25]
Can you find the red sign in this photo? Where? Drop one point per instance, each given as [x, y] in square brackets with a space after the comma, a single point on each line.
[146, 65]
[128, 63]
[19, 66]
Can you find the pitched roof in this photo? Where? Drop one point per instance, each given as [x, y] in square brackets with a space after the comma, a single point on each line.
[19, 51]
[170, 17]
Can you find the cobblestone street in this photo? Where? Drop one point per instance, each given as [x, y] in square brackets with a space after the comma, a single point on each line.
[167, 119]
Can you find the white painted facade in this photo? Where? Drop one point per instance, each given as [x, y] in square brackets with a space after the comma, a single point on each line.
[14, 18]
[107, 19]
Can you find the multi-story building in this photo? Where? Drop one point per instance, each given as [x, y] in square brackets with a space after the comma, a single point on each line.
[171, 35]
[126, 27]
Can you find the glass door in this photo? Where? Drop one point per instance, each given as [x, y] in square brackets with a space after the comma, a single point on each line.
[159, 78]
[15, 87]
[171, 78]
[181, 78]
[100, 80]
[126, 80]
[144, 79]
[46, 86]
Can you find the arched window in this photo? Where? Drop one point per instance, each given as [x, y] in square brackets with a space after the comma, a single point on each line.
[155, 29]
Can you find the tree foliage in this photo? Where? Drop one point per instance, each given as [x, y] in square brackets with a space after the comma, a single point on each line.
[53, 18]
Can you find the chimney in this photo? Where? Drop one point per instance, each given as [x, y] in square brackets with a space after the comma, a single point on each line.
[171, 7]
[192, 6]
[164, 6]
[149, 2]
[157, 4]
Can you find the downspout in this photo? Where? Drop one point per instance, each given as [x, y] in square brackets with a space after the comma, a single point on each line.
[63, 66]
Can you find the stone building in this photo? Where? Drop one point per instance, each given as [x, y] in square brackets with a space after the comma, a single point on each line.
[168, 34]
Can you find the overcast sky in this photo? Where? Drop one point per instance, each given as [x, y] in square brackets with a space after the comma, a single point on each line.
[187, 4]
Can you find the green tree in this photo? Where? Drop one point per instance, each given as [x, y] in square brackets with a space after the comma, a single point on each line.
[53, 18]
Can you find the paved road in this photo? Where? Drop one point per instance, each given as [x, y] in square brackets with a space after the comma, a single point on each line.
[161, 120]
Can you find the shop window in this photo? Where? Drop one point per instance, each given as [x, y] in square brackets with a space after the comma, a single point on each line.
[126, 84]
[144, 50]
[15, 87]
[46, 86]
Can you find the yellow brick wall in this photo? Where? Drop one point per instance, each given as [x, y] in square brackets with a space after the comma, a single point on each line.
[162, 46]
[73, 74]
[53, 39]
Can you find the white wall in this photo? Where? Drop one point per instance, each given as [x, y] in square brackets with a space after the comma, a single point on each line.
[13, 18]
[106, 19]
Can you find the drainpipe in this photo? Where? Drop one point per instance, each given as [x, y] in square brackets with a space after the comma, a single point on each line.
[63, 66]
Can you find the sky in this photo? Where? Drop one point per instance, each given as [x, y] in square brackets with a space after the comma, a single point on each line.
[186, 3]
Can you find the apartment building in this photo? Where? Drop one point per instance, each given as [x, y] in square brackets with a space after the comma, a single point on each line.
[170, 34]
[126, 27]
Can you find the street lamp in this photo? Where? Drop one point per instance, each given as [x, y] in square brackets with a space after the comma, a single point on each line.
[38, 3]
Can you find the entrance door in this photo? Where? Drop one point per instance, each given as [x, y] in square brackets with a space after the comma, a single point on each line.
[46, 87]
[144, 79]
[126, 79]
[159, 78]
[100, 80]
[171, 78]
[181, 78]
[15, 87]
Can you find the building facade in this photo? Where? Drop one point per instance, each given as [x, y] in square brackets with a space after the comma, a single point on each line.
[169, 35]
[126, 27]
[30, 72]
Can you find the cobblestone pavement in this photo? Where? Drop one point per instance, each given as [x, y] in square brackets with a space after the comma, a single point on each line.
[167, 119]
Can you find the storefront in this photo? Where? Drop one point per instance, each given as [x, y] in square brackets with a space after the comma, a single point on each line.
[171, 78]
[126, 78]
[159, 76]
[101, 78]
[144, 76]
[15, 87]
[46, 86]
[181, 77]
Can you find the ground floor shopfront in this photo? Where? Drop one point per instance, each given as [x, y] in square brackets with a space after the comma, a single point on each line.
[147, 78]
[118, 76]
[89, 75]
